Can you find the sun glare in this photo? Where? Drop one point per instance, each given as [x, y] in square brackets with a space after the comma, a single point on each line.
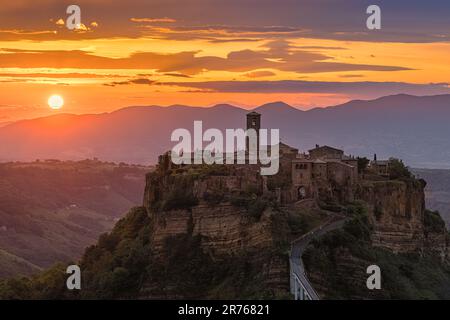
[55, 102]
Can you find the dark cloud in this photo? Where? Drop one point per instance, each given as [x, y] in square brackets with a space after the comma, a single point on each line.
[132, 81]
[179, 75]
[402, 20]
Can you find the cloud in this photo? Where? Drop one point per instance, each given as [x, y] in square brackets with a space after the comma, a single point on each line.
[402, 20]
[129, 82]
[153, 20]
[277, 55]
[86, 28]
[258, 74]
[60, 75]
[297, 86]
[222, 33]
[179, 75]
[27, 32]
[217, 40]
[351, 76]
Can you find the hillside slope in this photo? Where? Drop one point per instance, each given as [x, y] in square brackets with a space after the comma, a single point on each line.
[51, 210]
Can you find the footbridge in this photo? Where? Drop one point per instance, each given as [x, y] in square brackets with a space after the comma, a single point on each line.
[301, 288]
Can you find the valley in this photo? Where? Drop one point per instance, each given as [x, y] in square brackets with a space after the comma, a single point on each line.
[51, 210]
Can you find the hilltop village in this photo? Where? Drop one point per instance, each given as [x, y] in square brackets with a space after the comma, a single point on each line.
[234, 211]
[323, 172]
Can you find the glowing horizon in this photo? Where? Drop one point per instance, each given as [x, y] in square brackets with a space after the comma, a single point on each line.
[119, 59]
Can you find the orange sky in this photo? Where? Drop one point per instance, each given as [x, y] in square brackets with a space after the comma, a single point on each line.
[162, 60]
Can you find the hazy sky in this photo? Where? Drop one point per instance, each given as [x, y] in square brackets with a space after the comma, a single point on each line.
[202, 52]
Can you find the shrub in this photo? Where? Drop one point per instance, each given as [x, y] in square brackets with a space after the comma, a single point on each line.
[398, 170]
[213, 198]
[239, 200]
[362, 164]
[433, 222]
[178, 199]
[256, 208]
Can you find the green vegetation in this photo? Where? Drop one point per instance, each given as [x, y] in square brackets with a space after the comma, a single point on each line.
[179, 198]
[50, 284]
[188, 272]
[176, 193]
[280, 180]
[126, 263]
[214, 198]
[253, 204]
[398, 170]
[112, 268]
[122, 265]
[207, 170]
[362, 164]
[433, 222]
[340, 259]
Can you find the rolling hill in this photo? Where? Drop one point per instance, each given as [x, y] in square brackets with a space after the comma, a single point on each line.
[51, 210]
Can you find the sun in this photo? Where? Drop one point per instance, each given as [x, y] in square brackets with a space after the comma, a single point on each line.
[55, 102]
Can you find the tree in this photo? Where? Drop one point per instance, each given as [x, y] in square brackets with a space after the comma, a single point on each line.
[362, 164]
[397, 169]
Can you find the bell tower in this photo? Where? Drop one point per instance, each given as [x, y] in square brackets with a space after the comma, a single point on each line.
[254, 122]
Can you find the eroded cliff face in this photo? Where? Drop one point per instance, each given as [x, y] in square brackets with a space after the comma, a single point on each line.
[231, 224]
[181, 204]
[395, 232]
[214, 209]
[224, 229]
[397, 213]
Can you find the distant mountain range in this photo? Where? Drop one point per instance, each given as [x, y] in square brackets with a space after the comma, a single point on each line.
[416, 129]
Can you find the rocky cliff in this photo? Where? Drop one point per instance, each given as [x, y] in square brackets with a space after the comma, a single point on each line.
[218, 232]
[396, 210]
[233, 223]
[393, 230]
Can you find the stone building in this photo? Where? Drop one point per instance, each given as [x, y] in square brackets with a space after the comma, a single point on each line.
[323, 170]
[380, 167]
[326, 152]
